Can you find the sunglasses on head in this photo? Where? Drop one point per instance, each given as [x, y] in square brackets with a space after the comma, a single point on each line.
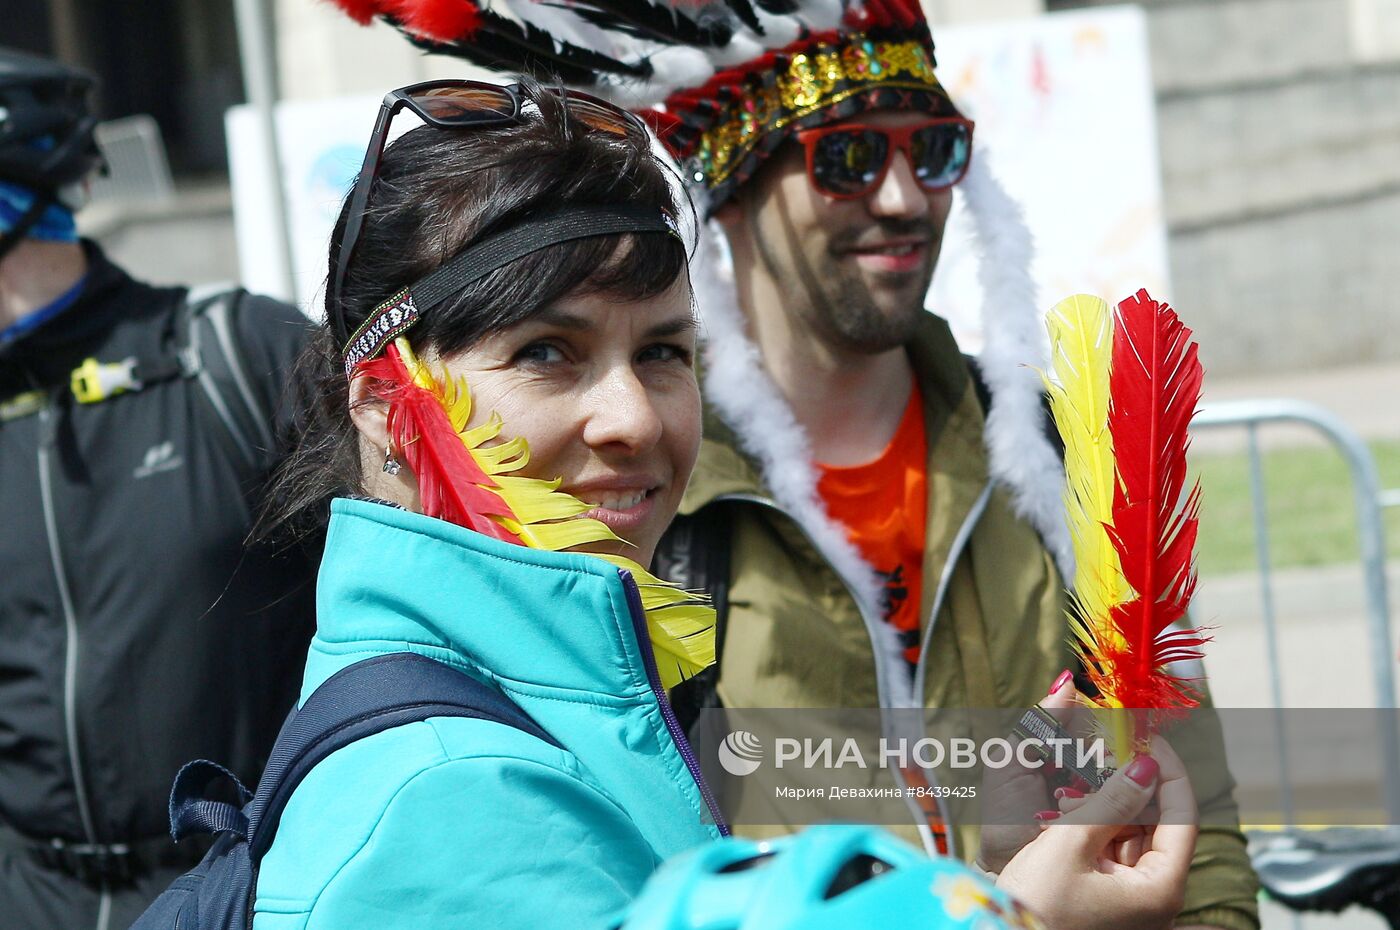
[454, 104]
[849, 160]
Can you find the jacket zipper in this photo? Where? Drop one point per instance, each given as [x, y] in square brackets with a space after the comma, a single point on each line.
[974, 516]
[70, 622]
[945, 577]
[639, 627]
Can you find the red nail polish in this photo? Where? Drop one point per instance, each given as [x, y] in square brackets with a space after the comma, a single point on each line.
[1068, 793]
[1143, 770]
[1065, 676]
[1044, 816]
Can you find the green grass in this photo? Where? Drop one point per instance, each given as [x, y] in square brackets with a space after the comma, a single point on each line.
[1311, 508]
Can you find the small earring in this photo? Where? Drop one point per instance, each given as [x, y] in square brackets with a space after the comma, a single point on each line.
[391, 464]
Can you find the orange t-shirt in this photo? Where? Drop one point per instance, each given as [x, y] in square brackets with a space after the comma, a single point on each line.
[883, 505]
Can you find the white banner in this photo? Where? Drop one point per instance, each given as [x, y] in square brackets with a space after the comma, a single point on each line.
[1065, 108]
[322, 144]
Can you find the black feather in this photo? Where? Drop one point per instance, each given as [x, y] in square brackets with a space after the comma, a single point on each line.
[744, 10]
[505, 45]
[647, 20]
[779, 7]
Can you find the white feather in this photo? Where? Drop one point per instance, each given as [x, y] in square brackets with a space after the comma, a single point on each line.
[561, 23]
[681, 67]
[822, 15]
[1020, 454]
[778, 31]
[741, 48]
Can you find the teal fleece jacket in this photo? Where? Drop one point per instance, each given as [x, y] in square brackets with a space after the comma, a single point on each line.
[459, 822]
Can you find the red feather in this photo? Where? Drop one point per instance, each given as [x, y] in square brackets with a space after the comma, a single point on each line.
[361, 11]
[451, 485]
[440, 20]
[1154, 386]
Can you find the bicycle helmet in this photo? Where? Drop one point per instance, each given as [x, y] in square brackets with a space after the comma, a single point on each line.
[46, 139]
[826, 878]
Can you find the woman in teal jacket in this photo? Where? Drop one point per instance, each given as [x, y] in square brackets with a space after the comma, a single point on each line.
[519, 250]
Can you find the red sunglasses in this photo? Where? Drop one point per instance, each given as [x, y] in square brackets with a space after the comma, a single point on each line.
[850, 160]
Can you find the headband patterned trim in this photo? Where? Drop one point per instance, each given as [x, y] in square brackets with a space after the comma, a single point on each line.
[385, 323]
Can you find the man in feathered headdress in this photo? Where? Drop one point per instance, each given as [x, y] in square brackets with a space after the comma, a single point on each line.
[879, 518]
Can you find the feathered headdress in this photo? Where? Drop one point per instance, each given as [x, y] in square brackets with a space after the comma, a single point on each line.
[1123, 387]
[724, 82]
[468, 477]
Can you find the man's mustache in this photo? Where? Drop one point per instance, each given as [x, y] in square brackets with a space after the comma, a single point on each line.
[868, 237]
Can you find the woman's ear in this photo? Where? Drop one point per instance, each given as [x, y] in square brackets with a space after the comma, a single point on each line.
[382, 472]
[369, 413]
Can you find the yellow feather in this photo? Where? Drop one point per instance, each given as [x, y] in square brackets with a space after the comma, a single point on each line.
[508, 456]
[681, 623]
[1081, 339]
[479, 434]
[556, 537]
[1081, 348]
[532, 503]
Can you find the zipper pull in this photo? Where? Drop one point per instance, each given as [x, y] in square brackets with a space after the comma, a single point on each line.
[48, 425]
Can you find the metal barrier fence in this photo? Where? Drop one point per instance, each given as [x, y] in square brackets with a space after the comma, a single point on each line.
[1370, 501]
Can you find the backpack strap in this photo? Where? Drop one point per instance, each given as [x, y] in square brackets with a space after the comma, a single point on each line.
[358, 701]
[694, 554]
[207, 350]
[192, 812]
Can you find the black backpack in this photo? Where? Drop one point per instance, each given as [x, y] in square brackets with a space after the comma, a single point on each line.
[358, 701]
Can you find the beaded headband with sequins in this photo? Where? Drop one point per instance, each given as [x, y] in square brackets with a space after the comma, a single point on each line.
[721, 132]
[723, 82]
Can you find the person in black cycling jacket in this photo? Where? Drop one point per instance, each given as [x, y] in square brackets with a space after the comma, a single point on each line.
[137, 426]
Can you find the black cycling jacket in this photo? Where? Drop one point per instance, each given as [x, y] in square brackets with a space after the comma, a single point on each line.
[136, 633]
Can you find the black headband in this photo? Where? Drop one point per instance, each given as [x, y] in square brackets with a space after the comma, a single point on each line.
[392, 317]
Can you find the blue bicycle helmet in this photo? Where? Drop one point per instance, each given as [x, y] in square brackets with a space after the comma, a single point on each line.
[826, 878]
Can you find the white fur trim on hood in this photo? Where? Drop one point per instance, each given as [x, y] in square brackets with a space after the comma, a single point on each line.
[1021, 456]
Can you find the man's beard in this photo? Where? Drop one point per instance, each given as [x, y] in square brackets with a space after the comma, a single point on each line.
[846, 309]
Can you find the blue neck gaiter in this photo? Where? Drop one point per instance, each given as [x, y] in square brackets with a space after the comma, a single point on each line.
[56, 224]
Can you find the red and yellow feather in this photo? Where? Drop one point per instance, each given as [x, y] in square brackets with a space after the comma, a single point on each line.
[1123, 389]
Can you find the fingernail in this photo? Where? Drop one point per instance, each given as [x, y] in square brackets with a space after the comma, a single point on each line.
[1065, 676]
[1043, 816]
[1068, 793]
[1143, 770]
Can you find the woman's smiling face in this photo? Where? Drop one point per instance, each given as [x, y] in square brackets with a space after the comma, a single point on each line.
[604, 391]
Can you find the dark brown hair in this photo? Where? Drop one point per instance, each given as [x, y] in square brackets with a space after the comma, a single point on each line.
[437, 191]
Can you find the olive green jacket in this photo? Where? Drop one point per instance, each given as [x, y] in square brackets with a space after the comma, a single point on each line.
[995, 633]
